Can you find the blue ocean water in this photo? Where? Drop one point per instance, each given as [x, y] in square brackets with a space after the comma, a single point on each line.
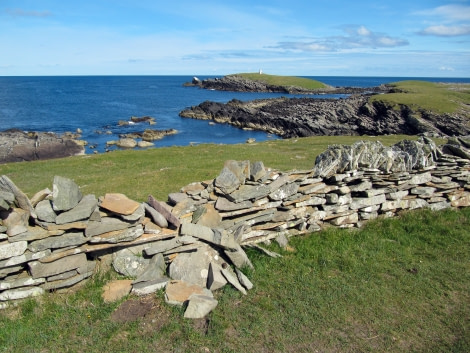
[95, 104]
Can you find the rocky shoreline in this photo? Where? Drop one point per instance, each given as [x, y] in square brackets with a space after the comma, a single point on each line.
[302, 117]
[18, 146]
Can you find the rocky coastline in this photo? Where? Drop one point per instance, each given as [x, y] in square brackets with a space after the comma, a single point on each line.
[236, 83]
[302, 117]
[18, 146]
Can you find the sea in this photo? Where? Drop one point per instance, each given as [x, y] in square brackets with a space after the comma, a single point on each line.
[96, 104]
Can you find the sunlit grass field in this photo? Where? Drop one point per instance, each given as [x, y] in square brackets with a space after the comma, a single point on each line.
[397, 285]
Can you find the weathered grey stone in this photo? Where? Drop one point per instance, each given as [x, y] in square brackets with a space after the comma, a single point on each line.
[312, 201]
[165, 245]
[7, 200]
[420, 178]
[363, 186]
[21, 293]
[8, 250]
[156, 216]
[156, 269]
[227, 181]
[33, 233]
[67, 282]
[249, 192]
[233, 280]
[45, 211]
[398, 195]
[62, 276]
[244, 281]
[38, 269]
[16, 220]
[239, 257]
[65, 194]
[215, 278]
[331, 198]
[23, 258]
[284, 192]
[207, 216]
[144, 288]
[282, 240]
[62, 241]
[358, 203]
[199, 306]
[20, 282]
[193, 267]
[82, 211]
[128, 264]
[107, 224]
[346, 219]
[118, 236]
[21, 199]
[6, 271]
[423, 191]
[257, 171]
[439, 206]
[222, 239]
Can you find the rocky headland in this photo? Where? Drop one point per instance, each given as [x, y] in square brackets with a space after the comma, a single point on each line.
[355, 115]
[240, 84]
[18, 146]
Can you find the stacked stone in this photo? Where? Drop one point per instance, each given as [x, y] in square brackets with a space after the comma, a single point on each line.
[51, 241]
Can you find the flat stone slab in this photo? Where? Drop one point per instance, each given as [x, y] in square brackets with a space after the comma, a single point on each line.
[119, 203]
[178, 292]
[144, 288]
[82, 211]
[65, 264]
[128, 264]
[62, 241]
[21, 293]
[116, 290]
[199, 306]
[8, 250]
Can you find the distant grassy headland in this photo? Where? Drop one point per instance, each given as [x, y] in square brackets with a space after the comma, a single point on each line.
[441, 98]
[284, 81]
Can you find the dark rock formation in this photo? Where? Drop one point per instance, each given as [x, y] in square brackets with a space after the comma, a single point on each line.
[240, 84]
[17, 146]
[301, 117]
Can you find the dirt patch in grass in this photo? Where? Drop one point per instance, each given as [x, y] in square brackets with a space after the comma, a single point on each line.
[148, 308]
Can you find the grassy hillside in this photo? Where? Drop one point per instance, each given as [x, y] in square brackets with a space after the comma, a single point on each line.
[438, 97]
[285, 81]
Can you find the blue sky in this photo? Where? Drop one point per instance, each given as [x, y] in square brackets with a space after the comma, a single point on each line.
[308, 38]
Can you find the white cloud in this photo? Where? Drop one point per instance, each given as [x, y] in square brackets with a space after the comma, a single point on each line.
[446, 31]
[446, 68]
[355, 38]
[449, 12]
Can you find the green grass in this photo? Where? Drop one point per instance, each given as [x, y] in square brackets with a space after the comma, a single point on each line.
[437, 97]
[285, 81]
[397, 285]
[161, 171]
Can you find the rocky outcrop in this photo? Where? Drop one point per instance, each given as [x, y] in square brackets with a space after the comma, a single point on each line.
[301, 117]
[195, 243]
[237, 83]
[18, 146]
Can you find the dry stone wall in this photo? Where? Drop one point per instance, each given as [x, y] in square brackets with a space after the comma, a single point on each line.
[193, 243]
